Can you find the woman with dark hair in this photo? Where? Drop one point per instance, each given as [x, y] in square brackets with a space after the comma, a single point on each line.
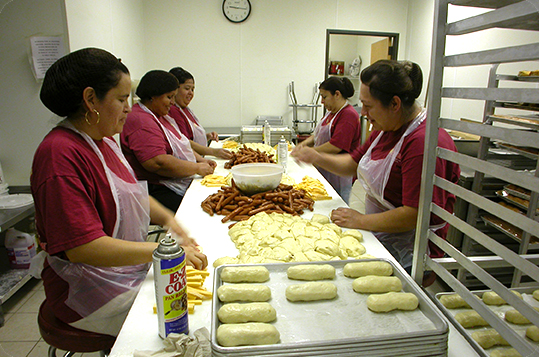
[389, 164]
[92, 215]
[154, 145]
[186, 119]
[339, 131]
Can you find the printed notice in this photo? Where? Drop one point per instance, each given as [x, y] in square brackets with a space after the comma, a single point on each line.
[45, 51]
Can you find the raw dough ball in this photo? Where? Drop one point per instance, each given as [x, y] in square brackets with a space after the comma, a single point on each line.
[515, 317]
[243, 292]
[311, 272]
[350, 247]
[224, 260]
[251, 274]
[320, 218]
[326, 246]
[251, 333]
[491, 298]
[532, 333]
[392, 301]
[489, 338]
[509, 352]
[311, 291]
[251, 312]
[535, 294]
[354, 270]
[470, 319]
[454, 301]
[376, 284]
[353, 233]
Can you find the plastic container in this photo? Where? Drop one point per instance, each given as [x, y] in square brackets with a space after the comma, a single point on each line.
[3, 183]
[257, 177]
[282, 152]
[21, 248]
[266, 133]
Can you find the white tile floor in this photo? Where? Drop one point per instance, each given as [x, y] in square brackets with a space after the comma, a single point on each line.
[19, 337]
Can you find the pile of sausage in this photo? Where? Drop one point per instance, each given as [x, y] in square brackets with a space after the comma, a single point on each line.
[235, 206]
[247, 155]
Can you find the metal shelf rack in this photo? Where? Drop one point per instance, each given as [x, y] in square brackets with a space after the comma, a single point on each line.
[507, 14]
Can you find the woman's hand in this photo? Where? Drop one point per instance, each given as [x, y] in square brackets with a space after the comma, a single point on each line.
[195, 258]
[305, 154]
[222, 153]
[346, 217]
[206, 168]
[212, 136]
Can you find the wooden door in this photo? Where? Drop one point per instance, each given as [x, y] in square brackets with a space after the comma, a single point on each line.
[380, 50]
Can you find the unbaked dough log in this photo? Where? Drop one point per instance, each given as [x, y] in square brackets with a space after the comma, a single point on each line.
[392, 301]
[454, 301]
[244, 292]
[532, 333]
[509, 352]
[311, 291]
[250, 312]
[489, 338]
[376, 284]
[535, 294]
[248, 274]
[251, 333]
[515, 317]
[311, 272]
[469, 319]
[355, 270]
[491, 298]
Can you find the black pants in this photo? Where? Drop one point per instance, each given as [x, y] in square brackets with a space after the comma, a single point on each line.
[165, 196]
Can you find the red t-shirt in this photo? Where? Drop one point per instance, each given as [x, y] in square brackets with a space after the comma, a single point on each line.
[182, 119]
[143, 139]
[404, 182]
[73, 202]
[345, 130]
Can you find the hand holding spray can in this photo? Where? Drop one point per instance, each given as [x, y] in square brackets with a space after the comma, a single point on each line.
[170, 287]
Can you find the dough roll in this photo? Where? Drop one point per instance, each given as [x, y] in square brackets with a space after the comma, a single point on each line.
[392, 301]
[535, 294]
[509, 352]
[489, 338]
[515, 317]
[532, 333]
[491, 298]
[250, 312]
[244, 292]
[454, 301]
[248, 274]
[376, 284]
[469, 319]
[311, 291]
[355, 270]
[251, 333]
[311, 272]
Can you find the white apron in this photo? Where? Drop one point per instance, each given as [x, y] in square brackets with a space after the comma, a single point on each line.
[199, 134]
[104, 295]
[374, 175]
[322, 135]
[181, 149]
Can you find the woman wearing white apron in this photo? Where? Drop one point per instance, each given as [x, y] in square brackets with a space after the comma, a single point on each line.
[339, 131]
[92, 215]
[154, 146]
[187, 121]
[389, 164]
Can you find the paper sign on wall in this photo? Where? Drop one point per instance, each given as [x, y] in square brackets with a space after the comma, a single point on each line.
[45, 51]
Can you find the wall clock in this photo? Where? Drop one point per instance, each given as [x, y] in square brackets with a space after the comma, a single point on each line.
[236, 10]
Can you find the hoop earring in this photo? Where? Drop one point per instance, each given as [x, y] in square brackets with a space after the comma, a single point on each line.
[88, 121]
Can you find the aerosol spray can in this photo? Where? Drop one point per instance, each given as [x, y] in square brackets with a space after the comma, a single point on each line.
[170, 287]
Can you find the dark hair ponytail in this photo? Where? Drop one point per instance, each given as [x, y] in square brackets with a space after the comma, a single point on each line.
[389, 78]
[341, 84]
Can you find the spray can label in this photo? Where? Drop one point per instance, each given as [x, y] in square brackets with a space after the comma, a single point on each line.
[171, 295]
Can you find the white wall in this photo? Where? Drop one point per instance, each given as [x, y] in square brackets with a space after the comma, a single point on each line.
[24, 121]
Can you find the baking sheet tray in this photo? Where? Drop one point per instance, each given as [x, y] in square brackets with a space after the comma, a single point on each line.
[499, 311]
[512, 190]
[516, 201]
[344, 322]
[509, 229]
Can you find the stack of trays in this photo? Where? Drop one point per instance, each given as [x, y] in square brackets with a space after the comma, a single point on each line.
[253, 134]
[343, 326]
